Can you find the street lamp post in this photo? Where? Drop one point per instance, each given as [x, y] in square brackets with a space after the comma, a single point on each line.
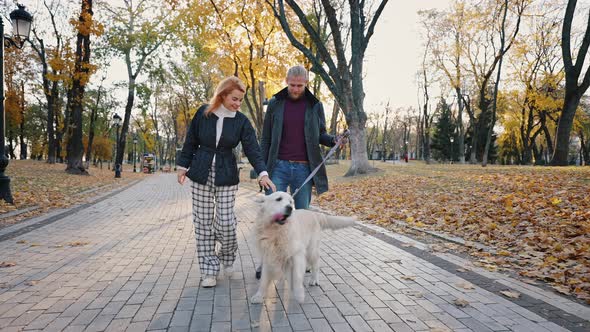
[134, 151]
[452, 140]
[117, 122]
[407, 152]
[21, 27]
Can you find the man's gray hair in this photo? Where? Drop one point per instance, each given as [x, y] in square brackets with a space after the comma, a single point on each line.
[297, 71]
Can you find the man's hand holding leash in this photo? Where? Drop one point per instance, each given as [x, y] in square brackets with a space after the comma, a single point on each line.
[342, 139]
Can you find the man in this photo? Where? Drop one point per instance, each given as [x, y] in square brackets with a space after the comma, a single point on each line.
[294, 128]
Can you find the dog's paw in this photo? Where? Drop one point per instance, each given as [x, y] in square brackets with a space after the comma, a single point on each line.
[256, 299]
[299, 296]
[314, 283]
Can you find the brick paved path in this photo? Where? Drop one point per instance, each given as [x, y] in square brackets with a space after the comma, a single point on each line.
[127, 263]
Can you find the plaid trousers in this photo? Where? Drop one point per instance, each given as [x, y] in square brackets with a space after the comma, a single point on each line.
[215, 221]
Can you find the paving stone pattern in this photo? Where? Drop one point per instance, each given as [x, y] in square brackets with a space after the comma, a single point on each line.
[128, 263]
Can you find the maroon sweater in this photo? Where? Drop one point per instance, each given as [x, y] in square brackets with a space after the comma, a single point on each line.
[292, 145]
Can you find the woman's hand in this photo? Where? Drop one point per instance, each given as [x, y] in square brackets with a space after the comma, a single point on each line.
[266, 183]
[181, 173]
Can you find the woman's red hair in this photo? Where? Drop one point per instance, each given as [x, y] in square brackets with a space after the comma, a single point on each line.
[224, 88]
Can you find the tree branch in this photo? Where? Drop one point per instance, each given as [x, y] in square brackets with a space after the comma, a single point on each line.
[336, 36]
[373, 23]
[583, 52]
[566, 35]
[316, 62]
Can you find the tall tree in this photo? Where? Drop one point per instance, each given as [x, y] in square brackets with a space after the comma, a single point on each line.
[444, 132]
[342, 76]
[426, 117]
[448, 33]
[50, 55]
[93, 121]
[137, 32]
[82, 71]
[532, 110]
[483, 55]
[573, 88]
[519, 8]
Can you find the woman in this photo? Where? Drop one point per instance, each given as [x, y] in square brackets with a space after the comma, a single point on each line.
[207, 159]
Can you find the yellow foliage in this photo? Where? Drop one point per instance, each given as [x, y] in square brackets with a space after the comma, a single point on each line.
[253, 41]
[102, 147]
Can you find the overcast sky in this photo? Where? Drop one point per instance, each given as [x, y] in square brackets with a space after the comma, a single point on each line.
[394, 54]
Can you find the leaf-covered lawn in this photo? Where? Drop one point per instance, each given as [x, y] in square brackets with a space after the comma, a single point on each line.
[537, 218]
[36, 183]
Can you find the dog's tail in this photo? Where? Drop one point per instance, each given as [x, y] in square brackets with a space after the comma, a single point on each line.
[336, 222]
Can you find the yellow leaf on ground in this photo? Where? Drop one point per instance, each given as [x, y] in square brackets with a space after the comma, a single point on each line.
[461, 303]
[465, 285]
[562, 290]
[510, 294]
[491, 267]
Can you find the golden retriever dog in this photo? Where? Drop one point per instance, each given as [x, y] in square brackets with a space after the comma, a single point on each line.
[288, 241]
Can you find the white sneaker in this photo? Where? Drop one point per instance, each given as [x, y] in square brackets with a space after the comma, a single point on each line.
[208, 282]
[228, 269]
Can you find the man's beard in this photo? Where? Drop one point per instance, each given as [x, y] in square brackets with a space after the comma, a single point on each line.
[295, 97]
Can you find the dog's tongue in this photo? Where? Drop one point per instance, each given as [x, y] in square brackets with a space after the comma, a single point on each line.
[278, 216]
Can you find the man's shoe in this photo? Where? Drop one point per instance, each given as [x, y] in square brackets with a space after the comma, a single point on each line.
[259, 272]
[208, 282]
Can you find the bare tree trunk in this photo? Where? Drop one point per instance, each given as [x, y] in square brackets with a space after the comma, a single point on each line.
[358, 143]
[460, 125]
[496, 84]
[546, 133]
[473, 124]
[126, 119]
[67, 121]
[82, 72]
[334, 118]
[564, 127]
[426, 120]
[50, 88]
[59, 133]
[585, 148]
[573, 91]
[93, 117]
